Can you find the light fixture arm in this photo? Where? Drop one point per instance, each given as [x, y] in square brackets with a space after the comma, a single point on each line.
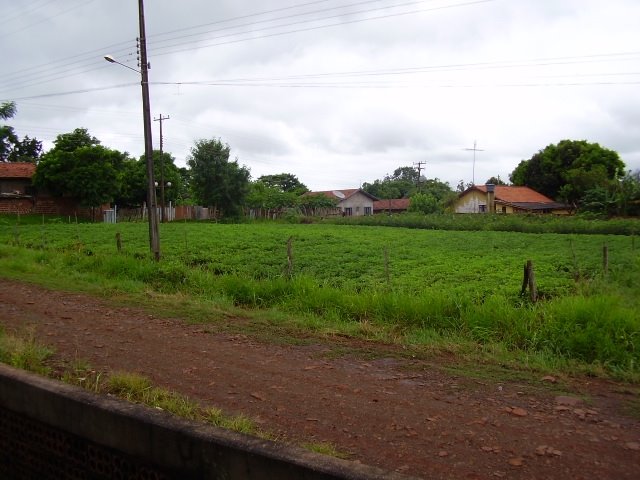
[110, 59]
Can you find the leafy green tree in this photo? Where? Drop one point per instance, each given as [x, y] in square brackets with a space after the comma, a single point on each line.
[133, 191]
[12, 148]
[265, 197]
[8, 139]
[285, 182]
[317, 204]
[70, 142]
[7, 110]
[216, 181]
[627, 193]
[425, 203]
[89, 173]
[566, 171]
[401, 184]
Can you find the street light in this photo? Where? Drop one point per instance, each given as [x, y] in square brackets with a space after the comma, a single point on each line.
[154, 232]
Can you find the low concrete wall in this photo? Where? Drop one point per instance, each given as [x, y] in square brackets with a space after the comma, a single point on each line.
[49, 429]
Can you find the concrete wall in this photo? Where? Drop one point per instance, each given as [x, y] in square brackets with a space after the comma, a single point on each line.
[49, 429]
[357, 202]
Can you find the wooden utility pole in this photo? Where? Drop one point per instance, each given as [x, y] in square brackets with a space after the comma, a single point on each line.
[162, 204]
[154, 232]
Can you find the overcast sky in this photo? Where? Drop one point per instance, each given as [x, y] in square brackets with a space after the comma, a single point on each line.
[337, 92]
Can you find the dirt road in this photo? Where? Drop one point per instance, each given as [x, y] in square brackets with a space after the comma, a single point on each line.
[395, 413]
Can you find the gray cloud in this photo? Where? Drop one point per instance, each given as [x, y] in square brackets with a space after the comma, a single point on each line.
[430, 84]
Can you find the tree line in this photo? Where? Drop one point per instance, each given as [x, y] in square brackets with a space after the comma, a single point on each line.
[589, 177]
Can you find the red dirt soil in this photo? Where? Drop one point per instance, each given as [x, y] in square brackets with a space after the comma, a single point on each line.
[396, 413]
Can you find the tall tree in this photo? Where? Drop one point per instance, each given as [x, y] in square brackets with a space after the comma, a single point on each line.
[401, 184]
[70, 142]
[285, 182]
[89, 173]
[566, 171]
[133, 174]
[216, 181]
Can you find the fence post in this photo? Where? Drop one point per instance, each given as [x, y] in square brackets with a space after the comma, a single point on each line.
[529, 280]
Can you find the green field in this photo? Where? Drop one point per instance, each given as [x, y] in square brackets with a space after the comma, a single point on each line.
[416, 287]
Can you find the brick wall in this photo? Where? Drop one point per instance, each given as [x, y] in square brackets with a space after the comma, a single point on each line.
[22, 206]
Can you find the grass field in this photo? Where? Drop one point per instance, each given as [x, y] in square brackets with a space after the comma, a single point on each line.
[424, 288]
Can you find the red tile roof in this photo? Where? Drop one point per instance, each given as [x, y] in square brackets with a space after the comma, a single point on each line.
[393, 204]
[511, 194]
[17, 170]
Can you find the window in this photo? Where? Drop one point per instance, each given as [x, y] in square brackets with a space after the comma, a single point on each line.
[482, 208]
[367, 210]
[348, 211]
[504, 209]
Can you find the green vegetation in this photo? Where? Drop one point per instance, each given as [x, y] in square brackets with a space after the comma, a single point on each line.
[23, 352]
[325, 448]
[458, 291]
[578, 224]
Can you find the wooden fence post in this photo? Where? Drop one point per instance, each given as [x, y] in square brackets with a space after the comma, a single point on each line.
[529, 280]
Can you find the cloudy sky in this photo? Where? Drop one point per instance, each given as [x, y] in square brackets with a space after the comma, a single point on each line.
[337, 92]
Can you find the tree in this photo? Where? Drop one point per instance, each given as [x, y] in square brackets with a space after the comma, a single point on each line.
[496, 181]
[425, 203]
[285, 182]
[12, 149]
[566, 171]
[70, 142]
[133, 191]
[434, 197]
[401, 184]
[215, 181]
[89, 173]
[265, 198]
[317, 204]
[8, 110]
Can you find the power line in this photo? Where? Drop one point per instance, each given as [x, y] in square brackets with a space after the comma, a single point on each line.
[268, 20]
[70, 92]
[46, 19]
[549, 61]
[345, 22]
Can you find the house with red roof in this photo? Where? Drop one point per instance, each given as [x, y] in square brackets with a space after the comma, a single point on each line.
[350, 202]
[18, 195]
[507, 199]
[15, 178]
